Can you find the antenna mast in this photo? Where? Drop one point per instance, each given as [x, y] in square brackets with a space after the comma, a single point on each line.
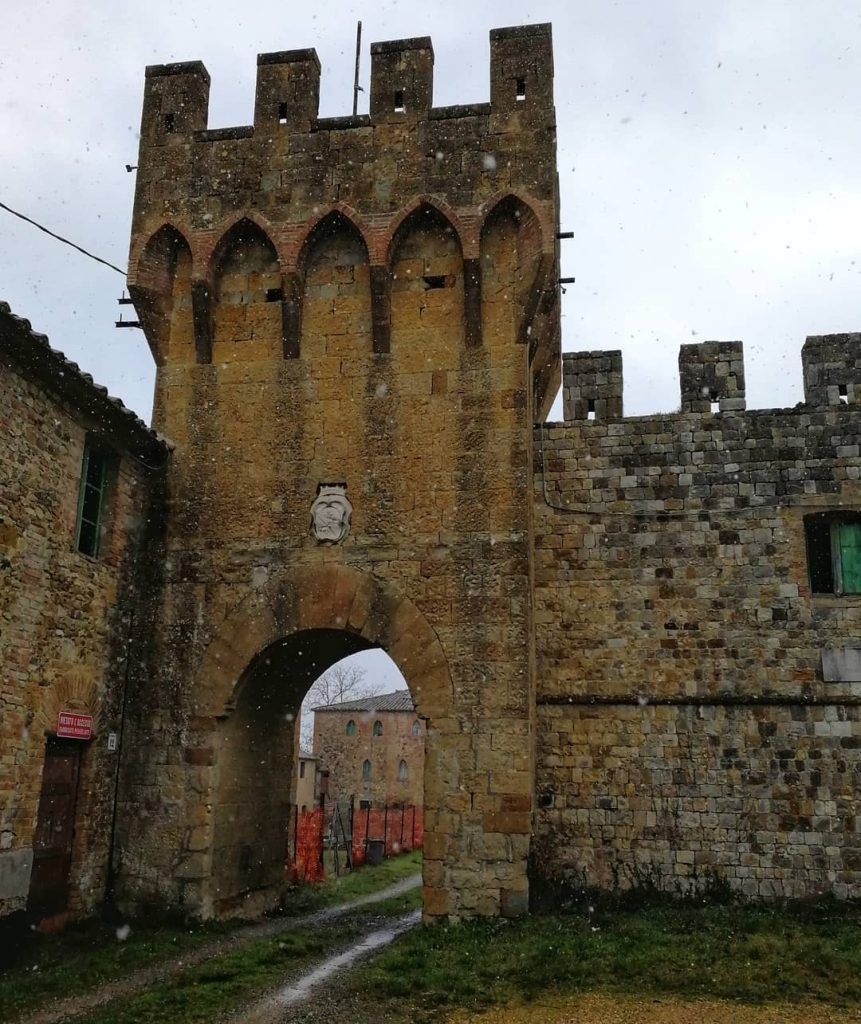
[356, 79]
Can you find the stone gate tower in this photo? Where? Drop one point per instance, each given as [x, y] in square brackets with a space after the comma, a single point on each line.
[367, 302]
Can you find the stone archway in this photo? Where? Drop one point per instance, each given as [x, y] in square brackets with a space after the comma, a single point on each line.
[331, 610]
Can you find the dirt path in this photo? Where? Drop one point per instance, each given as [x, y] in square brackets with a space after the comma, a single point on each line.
[274, 1007]
[601, 1009]
[75, 1006]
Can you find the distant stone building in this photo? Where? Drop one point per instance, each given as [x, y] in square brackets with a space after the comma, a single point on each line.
[373, 750]
[78, 472]
[307, 789]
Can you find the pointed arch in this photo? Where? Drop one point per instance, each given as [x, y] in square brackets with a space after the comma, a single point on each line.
[338, 217]
[424, 206]
[161, 290]
[523, 206]
[248, 222]
[248, 290]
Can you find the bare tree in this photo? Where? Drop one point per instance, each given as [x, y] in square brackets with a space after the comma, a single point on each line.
[345, 680]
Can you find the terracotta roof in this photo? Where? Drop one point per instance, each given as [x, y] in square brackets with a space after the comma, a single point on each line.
[400, 700]
[32, 353]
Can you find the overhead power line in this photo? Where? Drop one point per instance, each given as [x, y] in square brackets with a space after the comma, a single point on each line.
[60, 238]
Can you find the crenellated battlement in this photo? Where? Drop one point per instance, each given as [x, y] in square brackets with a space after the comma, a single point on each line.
[711, 378]
[291, 175]
[287, 95]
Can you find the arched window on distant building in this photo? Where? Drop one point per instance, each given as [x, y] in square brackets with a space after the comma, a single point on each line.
[403, 772]
[366, 771]
[351, 728]
[378, 728]
[416, 728]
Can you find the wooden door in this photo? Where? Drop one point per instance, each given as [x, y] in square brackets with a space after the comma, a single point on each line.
[55, 827]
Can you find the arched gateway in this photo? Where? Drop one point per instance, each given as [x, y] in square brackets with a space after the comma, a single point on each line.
[252, 681]
[355, 323]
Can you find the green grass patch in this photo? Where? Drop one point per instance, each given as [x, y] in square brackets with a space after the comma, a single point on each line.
[200, 995]
[87, 955]
[354, 884]
[738, 953]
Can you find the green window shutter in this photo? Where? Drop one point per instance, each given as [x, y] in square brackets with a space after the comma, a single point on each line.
[850, 556]
[90, 501]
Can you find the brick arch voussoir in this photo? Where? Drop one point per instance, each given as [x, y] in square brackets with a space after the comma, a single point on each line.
[143, 242]
[295, 247]
[211, 250]
[442, 208]
[537, 209]
[328, 597]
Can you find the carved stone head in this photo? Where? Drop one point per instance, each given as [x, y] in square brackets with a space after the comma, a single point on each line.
[330, 513]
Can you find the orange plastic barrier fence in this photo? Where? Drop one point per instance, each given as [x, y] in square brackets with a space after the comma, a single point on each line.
[401, 829]
[307, 863]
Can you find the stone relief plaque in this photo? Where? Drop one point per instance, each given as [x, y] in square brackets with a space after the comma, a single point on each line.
[330, 513]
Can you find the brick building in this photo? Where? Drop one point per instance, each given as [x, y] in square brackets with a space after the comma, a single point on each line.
[373, 750]
[77, 472]
[633, 644]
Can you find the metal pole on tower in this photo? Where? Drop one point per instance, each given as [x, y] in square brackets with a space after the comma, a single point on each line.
[356, 78]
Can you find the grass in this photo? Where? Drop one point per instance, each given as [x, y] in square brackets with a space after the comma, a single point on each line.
[89, 954]
[200, 995]
[747, 954]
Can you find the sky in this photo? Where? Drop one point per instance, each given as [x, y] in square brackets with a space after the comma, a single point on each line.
[708, 160]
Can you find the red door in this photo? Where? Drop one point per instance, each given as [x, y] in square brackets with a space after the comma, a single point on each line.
[55, 827]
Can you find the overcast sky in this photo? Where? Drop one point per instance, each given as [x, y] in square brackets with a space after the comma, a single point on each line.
[709, 159]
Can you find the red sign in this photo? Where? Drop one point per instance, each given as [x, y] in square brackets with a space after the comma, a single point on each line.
[72, 726]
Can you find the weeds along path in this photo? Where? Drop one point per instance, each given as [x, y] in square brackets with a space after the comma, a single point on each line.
[76, 1006]
[274, 1007]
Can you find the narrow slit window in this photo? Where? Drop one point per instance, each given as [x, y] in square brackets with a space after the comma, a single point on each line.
[301, 769]
[169, 123]
[378, 728]
[366, 771]
[282, 113]
[520, 89]
[91, 499]
[399, 101]
[590, 409]
[403, 772]
[843, 394]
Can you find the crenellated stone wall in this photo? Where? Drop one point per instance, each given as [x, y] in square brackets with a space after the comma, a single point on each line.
[687, 734]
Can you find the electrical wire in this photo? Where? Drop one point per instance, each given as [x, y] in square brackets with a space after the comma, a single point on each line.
[60, 238]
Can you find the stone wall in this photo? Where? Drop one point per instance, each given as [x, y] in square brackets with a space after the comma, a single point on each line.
[343, 755]
[404, 349]
[686, 733]
[64, 617]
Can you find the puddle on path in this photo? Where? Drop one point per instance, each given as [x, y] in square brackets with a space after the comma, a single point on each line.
[300, 989]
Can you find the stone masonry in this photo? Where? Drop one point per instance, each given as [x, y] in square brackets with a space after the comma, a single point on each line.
[370, 301]
[386, 734]
[634, 644]
[64, 617]
[687, 734]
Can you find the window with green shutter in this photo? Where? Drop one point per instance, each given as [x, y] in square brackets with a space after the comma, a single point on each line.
[834, 552]
[91, 500]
